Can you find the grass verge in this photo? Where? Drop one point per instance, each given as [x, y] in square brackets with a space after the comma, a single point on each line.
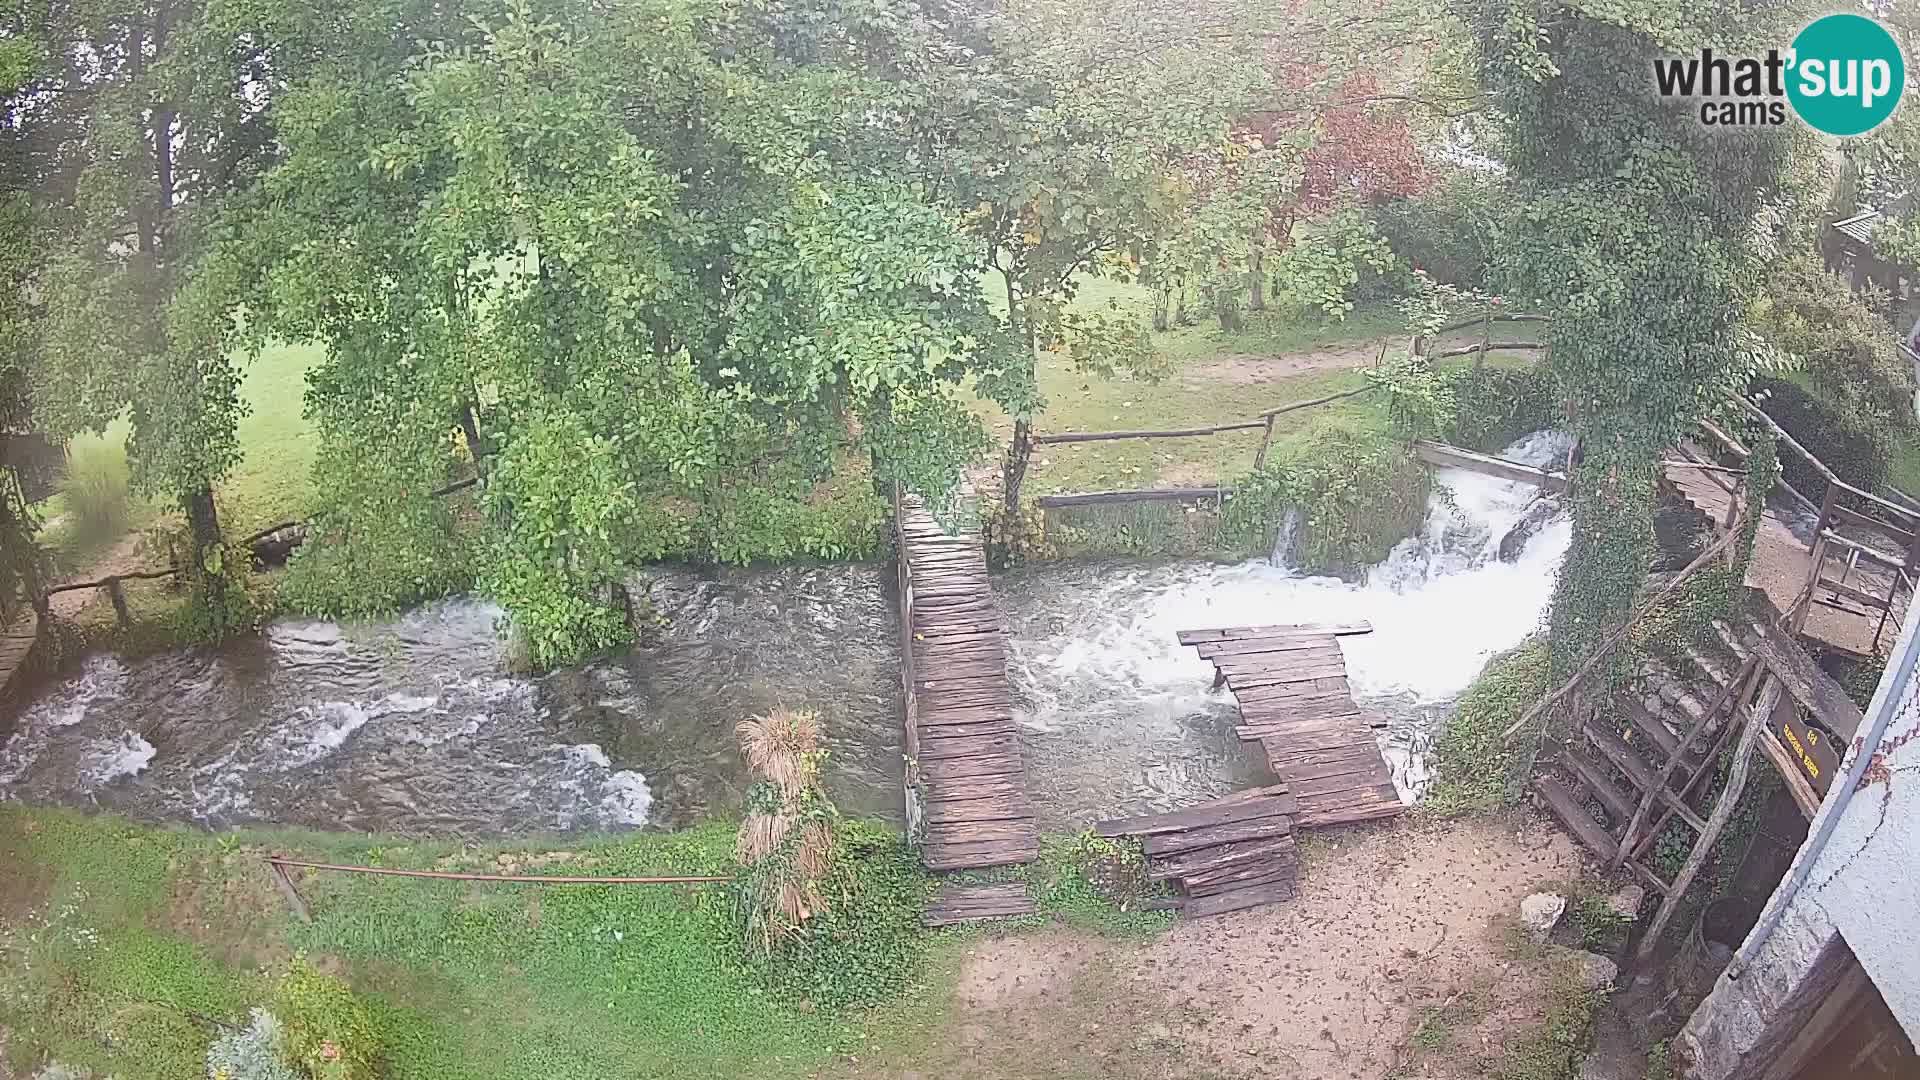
[127, 949]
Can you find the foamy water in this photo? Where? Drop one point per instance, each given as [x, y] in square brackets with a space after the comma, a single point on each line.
[1123, 718]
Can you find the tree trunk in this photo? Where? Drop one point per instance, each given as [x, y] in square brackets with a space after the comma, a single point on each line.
[1162, 302]
[1018, 451]
[203, 525]
[1257, 274]
[476, 441]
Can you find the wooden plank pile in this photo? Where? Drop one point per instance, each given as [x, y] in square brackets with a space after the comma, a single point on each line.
[1232, 853]
[963, 747]
[1295, 701]
[974, 903]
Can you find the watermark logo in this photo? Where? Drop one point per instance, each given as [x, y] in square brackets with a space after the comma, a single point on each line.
[1843, 75]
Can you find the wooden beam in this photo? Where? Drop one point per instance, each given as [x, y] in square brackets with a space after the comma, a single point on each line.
[1095, 498]
[1722, 812]
[1452, 457]
[1812, 688]
[1620, 634]
[1114, 436]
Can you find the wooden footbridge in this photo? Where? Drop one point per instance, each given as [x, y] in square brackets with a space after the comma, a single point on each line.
[1296, 703]
[966, 785]
[16, 654]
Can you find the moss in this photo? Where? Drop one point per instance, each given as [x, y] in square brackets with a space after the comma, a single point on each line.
[1475, 769]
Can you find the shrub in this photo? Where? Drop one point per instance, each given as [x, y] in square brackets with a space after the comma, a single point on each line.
[785, 846]
[1475, 769]
[1854, 447]
[325, 1029]
[252, 1053]
[1446, 231]
[1359, 493]
[1494, 406]
[867, 946]
[96, 489]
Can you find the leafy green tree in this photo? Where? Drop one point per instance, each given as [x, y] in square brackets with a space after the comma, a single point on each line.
[1633, 228]
[657, 271]
[141, 122]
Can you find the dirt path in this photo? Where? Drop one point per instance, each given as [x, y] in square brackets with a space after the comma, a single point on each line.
[1389, 921]
[1239, 369]
[122, 558]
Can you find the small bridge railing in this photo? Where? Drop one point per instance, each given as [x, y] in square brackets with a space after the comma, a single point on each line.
[1880, 533]
[1485, 321]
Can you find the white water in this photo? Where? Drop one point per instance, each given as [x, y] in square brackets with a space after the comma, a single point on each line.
[1122, 717]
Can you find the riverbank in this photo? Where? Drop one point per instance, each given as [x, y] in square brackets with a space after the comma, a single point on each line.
[123, 946]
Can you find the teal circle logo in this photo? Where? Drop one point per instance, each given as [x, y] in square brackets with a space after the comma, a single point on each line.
[1845, 75]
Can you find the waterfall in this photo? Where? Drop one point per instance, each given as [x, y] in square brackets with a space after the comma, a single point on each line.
[1121, 718]
[1285, 537]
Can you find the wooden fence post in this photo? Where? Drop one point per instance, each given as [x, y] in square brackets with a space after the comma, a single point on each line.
[119, 598]
[1798, 617]
[1266, 442]
[284, 883]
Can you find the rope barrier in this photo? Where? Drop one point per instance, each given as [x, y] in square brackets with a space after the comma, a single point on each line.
[532, 879]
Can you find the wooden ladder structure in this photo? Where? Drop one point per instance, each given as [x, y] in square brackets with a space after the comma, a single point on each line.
[1627, 776]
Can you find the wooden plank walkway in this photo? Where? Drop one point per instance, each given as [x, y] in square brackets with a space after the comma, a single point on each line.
[963, 749]
[975, 903]
[1782, 565]
[1232, 853]
[16, 648]
[1291, 683]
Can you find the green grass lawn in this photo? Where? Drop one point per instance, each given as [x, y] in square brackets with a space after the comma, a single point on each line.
[122, 947]
[272, 483]
[274, 480]
[1216, 377]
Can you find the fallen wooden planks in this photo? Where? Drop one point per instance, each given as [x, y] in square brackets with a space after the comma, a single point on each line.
[1195, 637]
[1240, 846]
[1263, 803]
[972, 903]
[1296, 703]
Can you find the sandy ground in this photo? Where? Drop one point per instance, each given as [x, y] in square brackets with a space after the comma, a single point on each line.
[1390, 921]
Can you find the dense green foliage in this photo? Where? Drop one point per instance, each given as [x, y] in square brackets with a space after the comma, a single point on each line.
[1358, 493]
[325, 1029]
[1633, 228]
[1447, 232]
[1856, 449]
[1475, 769]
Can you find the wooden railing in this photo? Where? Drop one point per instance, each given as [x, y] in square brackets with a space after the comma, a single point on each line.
[1485, 321]
[1843, 506]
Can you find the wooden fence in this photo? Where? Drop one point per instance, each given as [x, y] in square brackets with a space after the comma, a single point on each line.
[1485, 321]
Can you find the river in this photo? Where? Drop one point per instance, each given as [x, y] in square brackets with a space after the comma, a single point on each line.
[415, 725]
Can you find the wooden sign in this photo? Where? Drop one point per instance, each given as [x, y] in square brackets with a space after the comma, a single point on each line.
[1811, 748]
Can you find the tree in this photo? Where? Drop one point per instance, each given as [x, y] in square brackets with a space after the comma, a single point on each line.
[143, 120]
[1634, 229]
[23, 565]
[662, 268]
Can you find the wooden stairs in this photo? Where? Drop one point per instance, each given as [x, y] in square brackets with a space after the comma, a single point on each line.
[1629, 772]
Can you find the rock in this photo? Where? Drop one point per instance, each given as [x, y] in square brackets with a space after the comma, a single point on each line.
[1531, 522]
[1597, 972]
[1626, 903]
[1541, 911]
